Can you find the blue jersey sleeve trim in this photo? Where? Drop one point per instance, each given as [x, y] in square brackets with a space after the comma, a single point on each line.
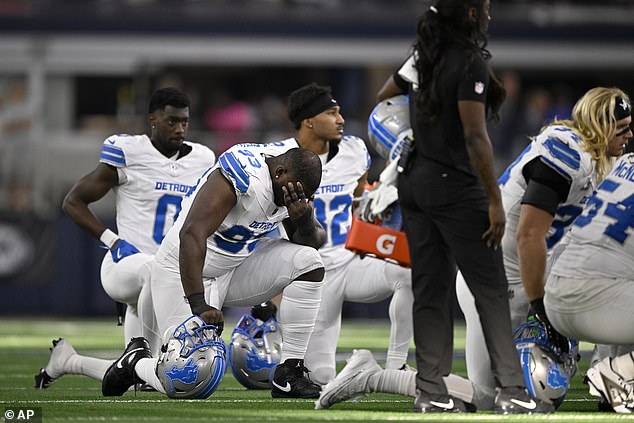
[112, 155]
[233, 168]
[563, 152]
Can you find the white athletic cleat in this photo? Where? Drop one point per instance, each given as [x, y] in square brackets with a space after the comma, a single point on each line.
[351, 382]
[60, 353]
[605, 382]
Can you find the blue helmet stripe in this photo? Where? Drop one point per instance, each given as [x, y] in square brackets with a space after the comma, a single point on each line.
[525, 362]
[232, 166]
[219, 371]
[381, 133]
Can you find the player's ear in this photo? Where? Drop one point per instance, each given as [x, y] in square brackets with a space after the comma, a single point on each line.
[280, 173]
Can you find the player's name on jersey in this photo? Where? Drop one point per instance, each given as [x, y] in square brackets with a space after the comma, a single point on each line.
[324, 189]
[625, 171]
[265, 226]
[170, 186]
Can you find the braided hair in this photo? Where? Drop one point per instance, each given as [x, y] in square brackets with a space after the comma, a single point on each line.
[444, 24]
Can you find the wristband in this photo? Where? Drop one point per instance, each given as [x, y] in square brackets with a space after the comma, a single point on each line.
[197, 303]
[108, 238]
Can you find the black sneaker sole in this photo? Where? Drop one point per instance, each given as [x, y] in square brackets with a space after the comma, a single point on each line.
[282, 394]
[43, 380]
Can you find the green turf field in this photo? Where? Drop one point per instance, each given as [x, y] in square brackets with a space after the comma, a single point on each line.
[24, 349]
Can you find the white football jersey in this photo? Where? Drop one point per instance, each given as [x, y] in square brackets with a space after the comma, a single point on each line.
[255, 213]
[333, 199]
[601, 241]
[560, 148]
[151, 186]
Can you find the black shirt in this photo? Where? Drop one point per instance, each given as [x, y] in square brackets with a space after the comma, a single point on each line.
[440, 145]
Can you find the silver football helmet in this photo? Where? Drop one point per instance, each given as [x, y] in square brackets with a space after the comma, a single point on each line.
[192, 361]
[254, 351]
[389, 125]
[547, 375]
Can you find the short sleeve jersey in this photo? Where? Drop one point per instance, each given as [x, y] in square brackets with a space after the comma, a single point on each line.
[442, 141]
[600, 243]
[151, 186]
[333, 198]
[559, 148]
[255, 213]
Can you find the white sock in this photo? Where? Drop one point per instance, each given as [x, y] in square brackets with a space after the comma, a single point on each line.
[132, 327]
[404, 382]
[145, 369]
[394, 382]
[297, 315]
[401, 323]
[88, 366]
[624, 366]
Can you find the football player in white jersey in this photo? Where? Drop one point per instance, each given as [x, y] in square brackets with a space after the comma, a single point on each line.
[345, 163]
[543, 191]
[589, 293]
[150, 176]
[362, 375]
[217, 254]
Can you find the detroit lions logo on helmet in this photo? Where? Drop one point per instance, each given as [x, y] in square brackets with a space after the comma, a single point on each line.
[187, 374]
[192, 361]
[254, 363]
[555, 379]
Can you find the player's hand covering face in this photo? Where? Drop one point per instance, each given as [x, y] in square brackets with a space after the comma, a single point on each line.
[295, 200]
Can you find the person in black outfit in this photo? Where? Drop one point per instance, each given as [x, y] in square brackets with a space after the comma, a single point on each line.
[451, 203]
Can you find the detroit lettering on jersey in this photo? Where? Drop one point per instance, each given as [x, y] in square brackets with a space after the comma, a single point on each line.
[263, 226]
[330, 189]
[173, 187]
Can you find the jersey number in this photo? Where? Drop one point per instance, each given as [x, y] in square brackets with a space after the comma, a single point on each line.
[622, 212]
[341, 204]
[235, 238]
[563, 218]
[161, 212]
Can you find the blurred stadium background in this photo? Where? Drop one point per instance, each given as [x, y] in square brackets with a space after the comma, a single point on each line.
[75, 71]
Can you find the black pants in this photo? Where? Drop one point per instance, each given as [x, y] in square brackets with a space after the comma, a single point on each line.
[439, 237]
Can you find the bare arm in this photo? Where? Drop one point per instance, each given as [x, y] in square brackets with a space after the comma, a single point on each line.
[210, 207]
[90, 188]
[472, 115]
[301, 226]
[358, 191]
[388, 90]
[531, 248]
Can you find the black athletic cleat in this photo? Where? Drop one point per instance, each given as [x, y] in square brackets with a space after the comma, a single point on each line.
[289, 381]
[120, 376]
[516, 400]
[444, 403]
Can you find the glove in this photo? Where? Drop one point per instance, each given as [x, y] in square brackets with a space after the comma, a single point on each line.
[381, 197]
[123, 249]
[264, 311]
[559, 344]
